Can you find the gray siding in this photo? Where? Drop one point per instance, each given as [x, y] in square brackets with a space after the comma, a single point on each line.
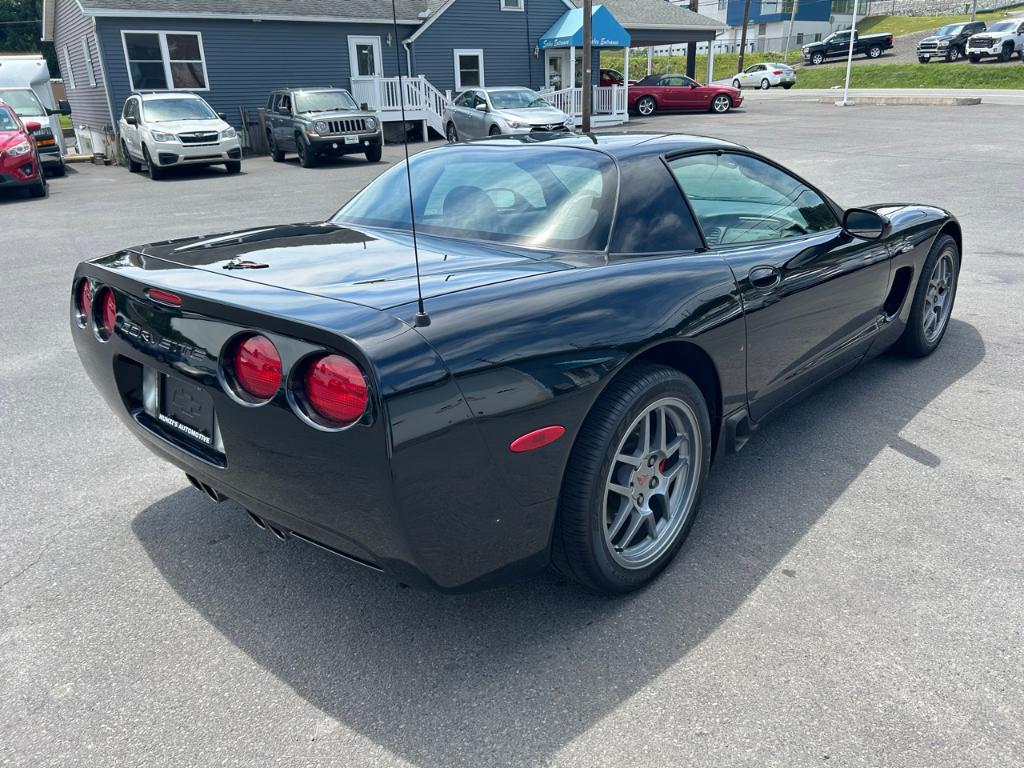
[89, 104]
[508, 39]
[245, 60]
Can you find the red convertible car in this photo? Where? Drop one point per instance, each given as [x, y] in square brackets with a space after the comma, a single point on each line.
[679, 92]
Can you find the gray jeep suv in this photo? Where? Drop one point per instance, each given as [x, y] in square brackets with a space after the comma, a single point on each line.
[320, 122]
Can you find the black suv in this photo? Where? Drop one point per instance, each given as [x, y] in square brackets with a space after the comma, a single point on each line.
[320, 122]
[948, 42]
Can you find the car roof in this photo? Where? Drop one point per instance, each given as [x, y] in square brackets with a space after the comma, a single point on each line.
[617, 145]
[144, 95]
[495, 88]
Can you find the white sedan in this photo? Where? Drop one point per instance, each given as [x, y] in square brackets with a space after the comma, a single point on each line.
[765, 76]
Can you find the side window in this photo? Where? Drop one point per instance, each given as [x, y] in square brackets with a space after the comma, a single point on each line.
[127, 108]
[740, 199]
[286, 101]
[673, 81]
[272, 102]
[478, 99]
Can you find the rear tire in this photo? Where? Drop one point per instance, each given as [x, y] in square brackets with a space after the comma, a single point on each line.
[765, 85]
[373, 154]
[592, 543]
[874, 52]
[60, 171]
[737, 84]
[787, 86]
[929, 319]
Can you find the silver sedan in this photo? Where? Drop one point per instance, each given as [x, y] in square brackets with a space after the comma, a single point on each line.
[478, 112]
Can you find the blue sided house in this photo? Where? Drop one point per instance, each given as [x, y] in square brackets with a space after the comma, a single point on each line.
[234, 52]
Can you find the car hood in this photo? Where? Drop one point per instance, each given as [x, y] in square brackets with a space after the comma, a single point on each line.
[10, 138]
[188, 126]
[368, 267]
[339, 115]
[535, 115]
[937, 39]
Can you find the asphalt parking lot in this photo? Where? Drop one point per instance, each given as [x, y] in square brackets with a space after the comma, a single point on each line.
[852, 594]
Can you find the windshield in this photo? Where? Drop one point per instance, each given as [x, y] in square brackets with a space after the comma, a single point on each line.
[324, 101]
[950, 29]
[543, 197]
[22, 101]
[1002, 26]
[6, 121]
[518, 98]
[166, 110]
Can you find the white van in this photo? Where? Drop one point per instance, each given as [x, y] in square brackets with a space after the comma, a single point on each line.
[25, 87]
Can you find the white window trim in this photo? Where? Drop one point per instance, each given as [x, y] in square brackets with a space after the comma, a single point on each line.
[90, 67]
[70, 74]
[520, 7]
[162, 37]
[479, 53]
[378, 56]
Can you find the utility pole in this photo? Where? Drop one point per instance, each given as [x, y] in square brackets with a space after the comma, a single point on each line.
[974, 10]
[743, 35]
[792, 18]
[588, 9]
[691, 48]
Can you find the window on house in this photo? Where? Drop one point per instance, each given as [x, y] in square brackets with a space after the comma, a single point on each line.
[723, 4]
[511, 5]
[469, 69]
[90, 70]
[69, 73]
[165, 60]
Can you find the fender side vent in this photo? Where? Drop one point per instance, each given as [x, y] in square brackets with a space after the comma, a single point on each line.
[898, 292]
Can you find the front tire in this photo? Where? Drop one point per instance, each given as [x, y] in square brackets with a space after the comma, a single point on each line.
[134, 166]
[954, 54]
[494, 131]
[233, 166]
[647, 106]
[307, 156]
[922, 60]
[373, 154]
[721, 104]
[634, 480]
[1007, 53]
[155, 171]
[41, 189]
[276, 153]
[817, 58]
[933, 300]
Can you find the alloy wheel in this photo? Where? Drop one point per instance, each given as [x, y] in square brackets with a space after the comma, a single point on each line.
[721, 104]
[765, 85]
[938, 297]
[645, 106]
[652, 483]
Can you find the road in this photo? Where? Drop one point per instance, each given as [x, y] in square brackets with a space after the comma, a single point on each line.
[852, 594]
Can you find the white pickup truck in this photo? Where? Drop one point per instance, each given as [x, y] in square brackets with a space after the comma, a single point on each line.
[1002, 39]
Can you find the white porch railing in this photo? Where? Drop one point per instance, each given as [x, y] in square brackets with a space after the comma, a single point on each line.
[608, 103]
[384, 95]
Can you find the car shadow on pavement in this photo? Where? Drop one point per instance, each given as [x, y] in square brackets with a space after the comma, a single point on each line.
[513, 674]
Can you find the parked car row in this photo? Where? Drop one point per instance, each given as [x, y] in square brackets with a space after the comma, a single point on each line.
[975, 41]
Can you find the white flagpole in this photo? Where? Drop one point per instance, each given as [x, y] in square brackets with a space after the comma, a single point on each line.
[849, 61]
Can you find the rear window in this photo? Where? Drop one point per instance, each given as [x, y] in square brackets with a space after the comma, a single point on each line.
[544, 197]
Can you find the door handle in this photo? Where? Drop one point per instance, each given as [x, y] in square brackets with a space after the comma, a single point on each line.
[765, 277]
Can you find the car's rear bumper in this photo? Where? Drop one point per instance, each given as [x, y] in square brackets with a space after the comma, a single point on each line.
[411, 491]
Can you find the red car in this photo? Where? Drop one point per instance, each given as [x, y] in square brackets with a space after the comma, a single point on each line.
[19, 159]
[678, 92]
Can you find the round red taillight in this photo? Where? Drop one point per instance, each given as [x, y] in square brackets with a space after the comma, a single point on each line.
[336, 389]
[257, 367]
[107, 309]
[84, 299]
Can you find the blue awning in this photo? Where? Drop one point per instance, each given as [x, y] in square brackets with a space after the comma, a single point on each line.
[606, 32]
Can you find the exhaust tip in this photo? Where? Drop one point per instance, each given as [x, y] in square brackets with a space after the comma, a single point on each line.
[277, 533]
[257, 520]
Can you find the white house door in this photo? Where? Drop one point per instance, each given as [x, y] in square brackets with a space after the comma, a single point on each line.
[557, 70]
[365, 65]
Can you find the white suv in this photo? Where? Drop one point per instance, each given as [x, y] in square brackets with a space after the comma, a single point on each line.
[1002, 39]
[162, 129]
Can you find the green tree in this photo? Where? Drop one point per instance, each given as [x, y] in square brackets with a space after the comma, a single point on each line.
[21, 28]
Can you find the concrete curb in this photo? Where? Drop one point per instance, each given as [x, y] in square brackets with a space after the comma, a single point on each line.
[915, 101]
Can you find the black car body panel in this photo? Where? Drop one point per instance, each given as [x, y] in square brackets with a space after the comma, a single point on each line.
[424, 486]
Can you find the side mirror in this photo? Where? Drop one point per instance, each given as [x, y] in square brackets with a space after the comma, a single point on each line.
[222, 116]
[481, 107]
[284, 110]
[865, 224]
[363, 106]
[131, 120]
[64, 107]
[32, 126]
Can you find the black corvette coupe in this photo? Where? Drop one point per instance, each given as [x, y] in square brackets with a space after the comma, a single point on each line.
[605, 315]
